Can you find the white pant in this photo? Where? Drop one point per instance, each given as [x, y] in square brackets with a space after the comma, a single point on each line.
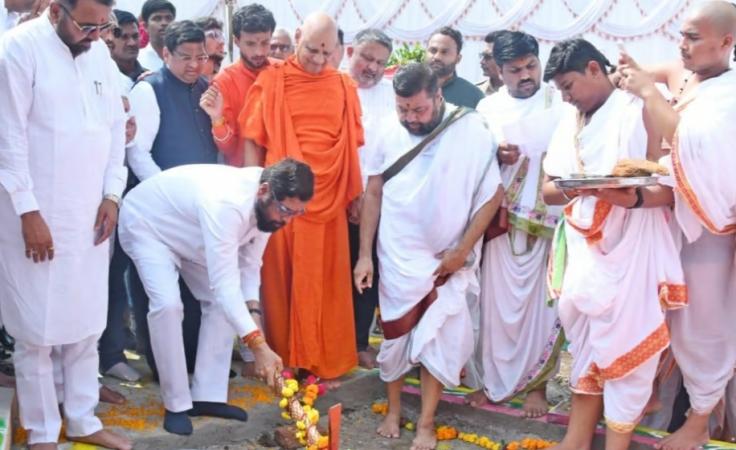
[159, 269]
[37, 393]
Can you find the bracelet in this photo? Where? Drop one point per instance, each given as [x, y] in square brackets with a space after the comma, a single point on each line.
[255, 311]
[639, 199]
[252, 338]
[219, 122]
[255, 342]
[564, 194]
[113, 198]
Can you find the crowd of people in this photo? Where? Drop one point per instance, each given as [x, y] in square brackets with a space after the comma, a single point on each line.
[153, 198]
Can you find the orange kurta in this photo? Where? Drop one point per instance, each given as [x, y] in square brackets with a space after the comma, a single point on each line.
[306, 277]
[234, 81]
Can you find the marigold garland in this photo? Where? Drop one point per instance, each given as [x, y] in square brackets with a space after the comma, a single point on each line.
[448, 433]
[304, 415]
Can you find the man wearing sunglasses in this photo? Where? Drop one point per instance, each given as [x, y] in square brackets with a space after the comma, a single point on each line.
[209, 224]
[61, 176]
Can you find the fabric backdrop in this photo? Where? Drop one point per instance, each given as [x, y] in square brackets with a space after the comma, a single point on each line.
[649, 29]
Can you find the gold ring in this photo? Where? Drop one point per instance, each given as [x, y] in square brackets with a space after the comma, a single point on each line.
[51, 249]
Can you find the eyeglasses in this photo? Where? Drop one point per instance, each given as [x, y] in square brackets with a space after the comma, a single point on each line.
[280, 47]
[214, 34]
[284, 210]
[86, 29]
[189, 58]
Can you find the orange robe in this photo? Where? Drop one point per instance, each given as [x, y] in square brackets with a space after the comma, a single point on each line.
[234, 81]
[306, 276]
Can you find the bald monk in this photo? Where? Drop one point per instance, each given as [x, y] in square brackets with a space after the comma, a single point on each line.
[699, 128]
[303, 108]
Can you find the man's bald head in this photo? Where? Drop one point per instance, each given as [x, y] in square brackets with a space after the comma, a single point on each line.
[708, 33]
[316, 40]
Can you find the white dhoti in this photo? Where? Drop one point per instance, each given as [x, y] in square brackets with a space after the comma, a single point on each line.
[520, 331]
[159, 269]
[622, 270]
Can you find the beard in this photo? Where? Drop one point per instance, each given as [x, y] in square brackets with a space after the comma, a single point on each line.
[263, 222]
[423, 129]
[441, 69]
[257, 64]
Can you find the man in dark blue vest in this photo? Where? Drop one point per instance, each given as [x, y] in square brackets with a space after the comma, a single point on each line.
[172, 131]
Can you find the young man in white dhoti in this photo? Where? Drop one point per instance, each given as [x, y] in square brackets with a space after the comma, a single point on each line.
[367, 57]
[428, 240]
[700, 130]
[55, 223]
[209, 224]
[622, 262]
[520, 334]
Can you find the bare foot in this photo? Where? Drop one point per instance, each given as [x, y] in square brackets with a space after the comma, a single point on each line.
[477, 399]
[389, 428]
[43, 446]
[105, 438]
[367, 359]
[7, 381]
[248, 370]
[693, 434]
[426, 438]
[108, 395]
[535, 404]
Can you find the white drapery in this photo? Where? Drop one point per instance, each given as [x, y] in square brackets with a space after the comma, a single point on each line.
[648, 28]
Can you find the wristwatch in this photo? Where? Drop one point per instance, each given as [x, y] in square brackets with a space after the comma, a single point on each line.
[639, 198]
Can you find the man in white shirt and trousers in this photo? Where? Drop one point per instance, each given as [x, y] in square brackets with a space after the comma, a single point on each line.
[61, 172]
[209, 224]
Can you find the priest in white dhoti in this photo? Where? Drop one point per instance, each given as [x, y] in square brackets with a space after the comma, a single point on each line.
[62, 173]
[209, 224]
[700, 128]
[434, 183]
[520, 333]
[367, 58]
[622, 266]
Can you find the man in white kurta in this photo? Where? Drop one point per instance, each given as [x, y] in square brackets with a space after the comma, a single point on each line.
[61, 171]
[429, 227]
[622, 262]
[209, 224]
[367, 57]
[520, 334]
[701, 129]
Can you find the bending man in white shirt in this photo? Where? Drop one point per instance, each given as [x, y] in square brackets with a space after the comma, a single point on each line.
[428, 240]
[209, 224]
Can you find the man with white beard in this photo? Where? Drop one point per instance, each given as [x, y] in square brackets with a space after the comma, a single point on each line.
[428, 240]
[520, 334]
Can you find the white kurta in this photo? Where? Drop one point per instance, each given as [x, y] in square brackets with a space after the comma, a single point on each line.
[422, 214]
[196, 221]
[622, 266]
[149, 59]
[519, 331]
[377, 103]
[61, 149]
[703, 335]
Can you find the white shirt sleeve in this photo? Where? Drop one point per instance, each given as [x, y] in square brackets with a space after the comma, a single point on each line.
[16, 98]
[144, 107]
[116, 173]
[220, 224]
[251, 260]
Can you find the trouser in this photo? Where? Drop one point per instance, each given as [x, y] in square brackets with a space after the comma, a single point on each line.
[364, 305]
[37, 393]
[112, 341]
[159, 269]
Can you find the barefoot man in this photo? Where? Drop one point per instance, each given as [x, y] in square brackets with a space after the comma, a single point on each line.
[305, 109]
[622, 262]
[428, 239]
[700, 130]
[520, 332]
[62, 173]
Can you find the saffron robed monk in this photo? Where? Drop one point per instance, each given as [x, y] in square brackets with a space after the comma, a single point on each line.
[304, 109]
